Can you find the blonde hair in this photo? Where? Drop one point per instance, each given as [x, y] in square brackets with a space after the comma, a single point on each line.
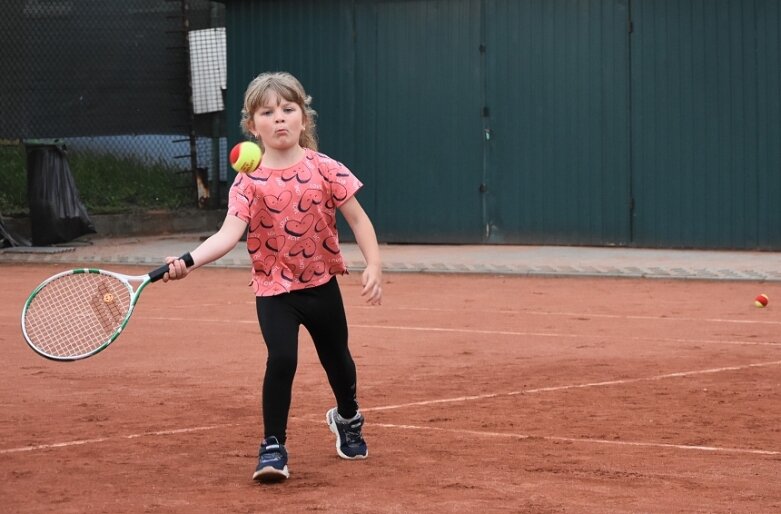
[285, 86]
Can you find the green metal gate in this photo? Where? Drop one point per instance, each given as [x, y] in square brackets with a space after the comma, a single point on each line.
[497, 121]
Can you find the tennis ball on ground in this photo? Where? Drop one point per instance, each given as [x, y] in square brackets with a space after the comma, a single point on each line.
[761, 300]
[245, 157]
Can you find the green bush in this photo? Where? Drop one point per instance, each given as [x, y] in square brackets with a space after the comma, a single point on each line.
[13, 181]
[106, 183]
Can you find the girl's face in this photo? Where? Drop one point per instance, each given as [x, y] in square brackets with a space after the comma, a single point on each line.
[278, 123]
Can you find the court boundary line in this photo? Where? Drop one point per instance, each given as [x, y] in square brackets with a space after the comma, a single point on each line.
[493, 332]
[578, 314]
[405, 427]
[563, 336]
[580, 440]
[678, 374]
[530, 312]
[80, 442]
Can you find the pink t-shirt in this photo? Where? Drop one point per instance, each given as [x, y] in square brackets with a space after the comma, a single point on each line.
[291, 213]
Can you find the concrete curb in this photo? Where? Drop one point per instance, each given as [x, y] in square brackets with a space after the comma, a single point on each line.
[145, 238]
[140, 223]
[137, 253]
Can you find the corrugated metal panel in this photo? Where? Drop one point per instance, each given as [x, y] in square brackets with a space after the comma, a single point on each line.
[418, 73]
[684, 114]
[313, 40]
[395, 84]
[768, 41]
[706, 123]
[557, 90]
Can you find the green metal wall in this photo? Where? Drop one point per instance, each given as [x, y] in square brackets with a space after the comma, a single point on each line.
[315, 41]
[706, 123]
[557, 85]
[311, 39]
[419, 104]
[398, 99]
[651, 123]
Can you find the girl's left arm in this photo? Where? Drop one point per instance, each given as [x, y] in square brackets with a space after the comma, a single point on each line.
[366, 238]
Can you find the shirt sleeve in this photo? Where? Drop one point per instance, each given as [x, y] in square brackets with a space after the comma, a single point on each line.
[240, 198]
[343, 183]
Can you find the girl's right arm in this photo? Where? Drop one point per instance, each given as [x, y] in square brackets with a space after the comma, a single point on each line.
[220, 243]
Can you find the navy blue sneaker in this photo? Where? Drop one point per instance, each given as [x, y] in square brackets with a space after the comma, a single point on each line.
[272, 462]
[349, 441]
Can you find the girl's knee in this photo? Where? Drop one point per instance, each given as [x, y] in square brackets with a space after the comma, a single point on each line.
[281, 365]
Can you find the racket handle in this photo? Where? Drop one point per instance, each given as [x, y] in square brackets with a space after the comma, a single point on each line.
[157, 274]
[188, 260]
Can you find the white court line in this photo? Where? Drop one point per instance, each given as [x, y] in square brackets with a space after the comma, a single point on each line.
[656, 318]
[546, 313]
[459, 399]
[407, 427]
[579, 440]
[464, 398]
[495, 332]
[559, 335]
[678, 374]
[467, 331]
[104, 439]
[575, 314]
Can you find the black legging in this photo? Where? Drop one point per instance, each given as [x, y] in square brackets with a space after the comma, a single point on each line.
[321, 311]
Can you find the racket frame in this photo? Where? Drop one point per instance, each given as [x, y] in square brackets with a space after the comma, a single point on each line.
[126, 280]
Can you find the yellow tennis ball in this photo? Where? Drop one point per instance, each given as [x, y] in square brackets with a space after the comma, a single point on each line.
[761, 300]
[245, 157]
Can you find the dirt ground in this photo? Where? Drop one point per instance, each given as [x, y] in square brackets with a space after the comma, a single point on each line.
[481, 393]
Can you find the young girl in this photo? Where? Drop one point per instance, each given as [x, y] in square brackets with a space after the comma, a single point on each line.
[289, 204]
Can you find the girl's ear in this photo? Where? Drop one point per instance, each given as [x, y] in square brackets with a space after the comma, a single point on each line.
[251, 128]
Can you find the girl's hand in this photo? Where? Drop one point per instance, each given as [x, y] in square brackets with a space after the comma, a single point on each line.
[177, 269]
[372, 284]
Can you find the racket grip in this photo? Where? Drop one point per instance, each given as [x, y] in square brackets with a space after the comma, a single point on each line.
[188, 260]
[158, 273]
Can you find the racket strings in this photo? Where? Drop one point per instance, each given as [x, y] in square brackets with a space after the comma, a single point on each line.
[77, 314]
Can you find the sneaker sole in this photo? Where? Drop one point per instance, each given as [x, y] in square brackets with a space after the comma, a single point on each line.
[269, 474]
[332, 427]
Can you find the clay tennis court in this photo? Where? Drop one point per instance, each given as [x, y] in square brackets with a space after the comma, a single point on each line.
[482, 393]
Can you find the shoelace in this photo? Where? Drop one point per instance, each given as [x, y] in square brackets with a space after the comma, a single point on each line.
[271, 452]
[352, 433]
[270, 455]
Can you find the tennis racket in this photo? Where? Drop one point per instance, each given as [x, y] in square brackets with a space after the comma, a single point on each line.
[78, 313]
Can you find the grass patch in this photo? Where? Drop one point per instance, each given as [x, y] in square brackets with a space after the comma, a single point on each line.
[106, 183]
[13, 193]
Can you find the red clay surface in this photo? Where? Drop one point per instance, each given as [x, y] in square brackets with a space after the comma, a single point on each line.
[481, 393]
